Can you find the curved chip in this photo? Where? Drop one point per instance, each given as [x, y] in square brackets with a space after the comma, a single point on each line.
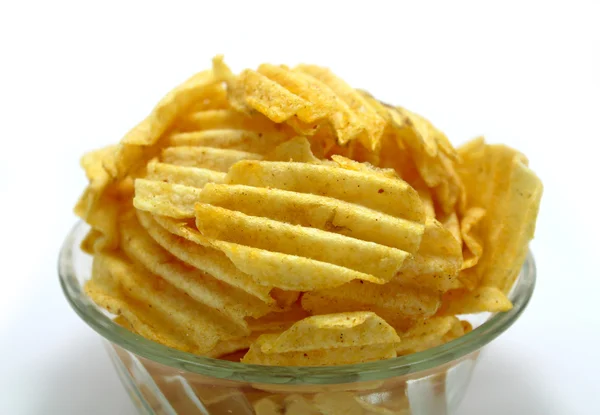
[374, 125]
[218, 159]
[319, 212]
[167, 199]
[201, 325]
[202, 287]
[318, 357]
[270, 98]
[437, 262]
[230, 226]
[288, 272]
[203, 258]
[249, 141]
[429, 333]
[325, 103]
[188, 176]
[330, 331]
[480, 299]
[226, 118]
[512, 198]
[392, 301]
[392, 196]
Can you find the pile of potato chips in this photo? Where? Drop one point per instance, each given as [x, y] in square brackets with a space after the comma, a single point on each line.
[281, 217]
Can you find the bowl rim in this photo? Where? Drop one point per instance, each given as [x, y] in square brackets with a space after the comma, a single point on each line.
[428, 359]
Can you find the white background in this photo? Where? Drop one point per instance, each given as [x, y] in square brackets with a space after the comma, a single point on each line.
[75, 76]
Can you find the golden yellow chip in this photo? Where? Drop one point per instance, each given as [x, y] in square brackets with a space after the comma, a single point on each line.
[166, 199]
[437, 263]
[218, 159]
[200, 286]
[205, 259]
[249, 141]
[318, 212]
[512, 197]
[426, 334]
[369, 118]
[320, 357]
[338, 330]
[105, 291]
[393, 302]
[188, 176]
[325, 104]
[478, 300]
[270, 98]
[392, 196]
[220, 224]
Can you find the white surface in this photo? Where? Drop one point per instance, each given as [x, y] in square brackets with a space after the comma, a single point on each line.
[76, 76]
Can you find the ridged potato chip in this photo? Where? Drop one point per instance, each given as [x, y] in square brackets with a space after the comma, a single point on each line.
[437, 263]
[392, 196]
[220, 224]
[313, 341]
[478, 300]
[218, 159]
[205, 259]
[393, 302]
[428, 333]
[235, 304]
[188, 176]
[512, 198]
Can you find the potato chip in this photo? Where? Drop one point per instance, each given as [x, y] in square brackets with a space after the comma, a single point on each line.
[230, 226]
[318, 212]
[437, 263]
[220, 119]
[146, 321]
[217, 159]
[225, 347]
[205, 259]
[272, 269]
[433, 156]
[392, 196]
[204, 288]
[188, 176]
[392, 301]
[317, 341]
[470, 236]
[373, 123]
[478, 300]
[325, 104]
[296, 149]
[319, 357]
[276, 321]
[426, 334]
[512, 201]
[98, 209]
[451, 222]
[288, 272]
[89, 242]
[249, 141]
[167, 199]
[340, 330]
[200, 324]
[270, 98]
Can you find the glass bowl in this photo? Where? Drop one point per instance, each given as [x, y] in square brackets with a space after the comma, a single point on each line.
[161, 380]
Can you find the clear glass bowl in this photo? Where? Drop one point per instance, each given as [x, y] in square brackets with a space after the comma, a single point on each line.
[161, 380]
